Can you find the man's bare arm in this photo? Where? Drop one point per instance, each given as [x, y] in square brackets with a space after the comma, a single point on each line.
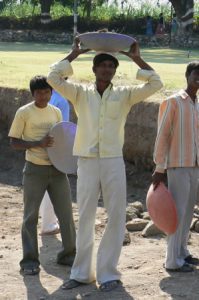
[134, 54]
[20, 144]
[76, 51]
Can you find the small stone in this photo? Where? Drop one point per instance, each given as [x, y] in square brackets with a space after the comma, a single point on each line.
[138, 205]
[1, 256]
[196, 226]
[86, 294]
[3, 237]
[129, 267]
[193, 223]
[127, 239]
[136, 225]
[131, 212]
[151, 230]
[189, 239]
[137, 267]
[145, 215]
[98, 222]
[130, 216]
[196, 209]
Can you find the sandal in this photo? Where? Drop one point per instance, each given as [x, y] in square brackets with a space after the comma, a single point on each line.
[71, 284]
[109, 285]
[184, 269]
[33, 271]
[190, 259]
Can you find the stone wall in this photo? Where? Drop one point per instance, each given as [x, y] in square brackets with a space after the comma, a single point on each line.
[140, 133]
[11, 99]
[140, 129]
[35, 36]
[67, 38]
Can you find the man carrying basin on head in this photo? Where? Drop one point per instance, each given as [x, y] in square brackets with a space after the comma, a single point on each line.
[102, 109]
[177, 153]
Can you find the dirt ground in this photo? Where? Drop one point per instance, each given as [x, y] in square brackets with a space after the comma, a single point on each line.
[141, 262]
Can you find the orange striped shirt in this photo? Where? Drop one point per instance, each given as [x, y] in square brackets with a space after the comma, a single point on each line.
[177, 141]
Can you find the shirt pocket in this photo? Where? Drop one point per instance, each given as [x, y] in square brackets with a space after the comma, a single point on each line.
[113, 109]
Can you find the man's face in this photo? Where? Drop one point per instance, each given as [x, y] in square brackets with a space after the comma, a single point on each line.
[193, 79]
[105, 71]
[42, 97]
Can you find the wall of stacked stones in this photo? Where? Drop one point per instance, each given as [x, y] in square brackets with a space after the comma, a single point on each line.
[67, 38]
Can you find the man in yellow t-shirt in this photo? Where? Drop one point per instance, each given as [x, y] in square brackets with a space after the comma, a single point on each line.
[29, 131]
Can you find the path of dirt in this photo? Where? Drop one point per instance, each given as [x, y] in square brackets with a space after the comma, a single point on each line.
[141, 262]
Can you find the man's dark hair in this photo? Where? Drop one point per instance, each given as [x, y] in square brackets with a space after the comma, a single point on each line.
[99, 58]
[39, 82]
[194, 65]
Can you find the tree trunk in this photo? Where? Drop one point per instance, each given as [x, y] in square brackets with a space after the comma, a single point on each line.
[45, 11]
[87, 8]
[184, 10]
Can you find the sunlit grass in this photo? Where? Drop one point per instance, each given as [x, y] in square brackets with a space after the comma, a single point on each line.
[20, 61]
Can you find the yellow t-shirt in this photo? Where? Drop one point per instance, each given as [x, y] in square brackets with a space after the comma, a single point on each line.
[32, 123]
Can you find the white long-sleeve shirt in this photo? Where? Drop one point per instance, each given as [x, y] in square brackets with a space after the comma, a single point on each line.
[101, 120]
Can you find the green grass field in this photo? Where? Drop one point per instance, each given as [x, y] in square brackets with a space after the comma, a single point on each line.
[20, 61]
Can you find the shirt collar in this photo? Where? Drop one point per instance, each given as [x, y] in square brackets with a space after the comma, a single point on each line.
[185, 96]
[109, 87]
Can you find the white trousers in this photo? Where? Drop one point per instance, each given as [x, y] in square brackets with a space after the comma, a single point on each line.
[108, 176]
[183, 185]
[48, 217]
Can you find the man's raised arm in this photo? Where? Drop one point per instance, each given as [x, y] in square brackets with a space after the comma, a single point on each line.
[63, 69]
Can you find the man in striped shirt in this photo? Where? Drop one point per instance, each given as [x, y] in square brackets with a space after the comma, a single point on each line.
[177, 153]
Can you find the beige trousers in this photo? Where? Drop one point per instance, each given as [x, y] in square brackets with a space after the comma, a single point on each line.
[108, 176]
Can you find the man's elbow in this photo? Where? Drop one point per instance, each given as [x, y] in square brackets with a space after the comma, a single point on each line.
[158, 85]
[49, 79]
[161, 84]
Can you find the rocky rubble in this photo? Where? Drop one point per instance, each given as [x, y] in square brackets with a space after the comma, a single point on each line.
[139, 220]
